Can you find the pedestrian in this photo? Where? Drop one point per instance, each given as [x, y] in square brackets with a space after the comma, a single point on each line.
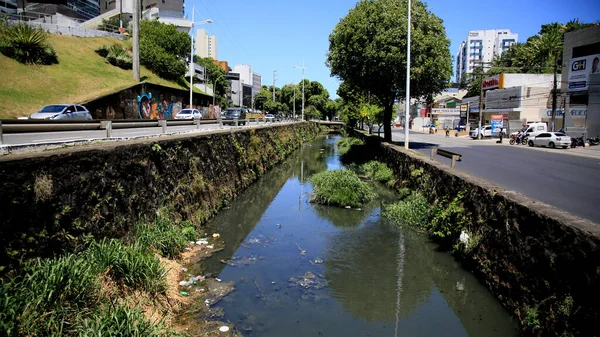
[447, 131]
[501, 135]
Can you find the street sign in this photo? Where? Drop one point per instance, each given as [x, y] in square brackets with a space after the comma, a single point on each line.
[497, 121]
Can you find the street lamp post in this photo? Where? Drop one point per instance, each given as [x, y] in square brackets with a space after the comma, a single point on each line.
[192, 70]
[407, 113]
[303, 68]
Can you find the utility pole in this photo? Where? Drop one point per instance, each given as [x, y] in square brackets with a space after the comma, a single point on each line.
[406, 117]
[274, 79]
[479, 135]
[554, 93]
[136, 42]
[192, 70]
[294, 100]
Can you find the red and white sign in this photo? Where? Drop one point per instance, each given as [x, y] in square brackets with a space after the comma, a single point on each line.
[491, 82]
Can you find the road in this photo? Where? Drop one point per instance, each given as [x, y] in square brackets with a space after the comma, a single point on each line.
[554, 176]
[65, 136]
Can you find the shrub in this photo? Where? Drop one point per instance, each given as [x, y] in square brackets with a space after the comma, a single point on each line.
[27, 44]
[102, 50]
[189, 231]
[448, 219]
[133, 266]
[163, 236]
[377, 171]
[346, 143]
[116, 55]
[340, 188]
[413, 211]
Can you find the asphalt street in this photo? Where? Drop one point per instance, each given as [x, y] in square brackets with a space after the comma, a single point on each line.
[563, 179]
[65, 136]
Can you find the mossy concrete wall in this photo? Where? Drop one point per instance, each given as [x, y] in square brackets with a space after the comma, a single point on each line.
[542, 263]
[60, 200]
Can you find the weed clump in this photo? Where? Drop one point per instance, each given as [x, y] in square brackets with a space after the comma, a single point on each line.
[346, 143]
[340, 188]
[377, 171]
[413, 211]
[164, 236]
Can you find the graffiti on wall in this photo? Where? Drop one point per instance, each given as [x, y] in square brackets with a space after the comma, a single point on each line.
[161, 108]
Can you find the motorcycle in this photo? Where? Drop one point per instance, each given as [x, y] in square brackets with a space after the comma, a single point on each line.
[577, 141]
[524, 140]
[513, 139]
[594, 141]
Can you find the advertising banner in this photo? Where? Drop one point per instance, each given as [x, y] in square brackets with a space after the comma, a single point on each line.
[445, 111]
[503, 99]
[497, 121]
[574, 112]
[580, 69]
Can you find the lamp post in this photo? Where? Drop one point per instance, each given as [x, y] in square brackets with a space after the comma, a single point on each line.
[303, 67]
[192, 70]
[407, 115]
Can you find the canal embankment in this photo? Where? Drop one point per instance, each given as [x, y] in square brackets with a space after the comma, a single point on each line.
[542, 263]
[57, 201]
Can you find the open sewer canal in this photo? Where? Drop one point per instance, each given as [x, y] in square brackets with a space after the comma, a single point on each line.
[309, 270]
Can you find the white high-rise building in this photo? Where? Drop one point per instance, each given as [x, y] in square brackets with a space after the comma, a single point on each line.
[206, 46]
[480, 48]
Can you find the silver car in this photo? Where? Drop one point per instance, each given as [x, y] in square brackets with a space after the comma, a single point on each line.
[63, 112]
[188, 114]
[551, 140]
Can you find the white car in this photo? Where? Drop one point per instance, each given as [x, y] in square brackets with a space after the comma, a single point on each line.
[188, 114]
[487, 132]
[62, 112]
[551, 140]
[270, 117]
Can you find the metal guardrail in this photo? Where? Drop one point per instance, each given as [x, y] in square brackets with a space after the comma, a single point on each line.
[34, 126]
[448, 154]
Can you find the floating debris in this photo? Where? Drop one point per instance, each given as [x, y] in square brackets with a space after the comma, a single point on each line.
[308, 280]
[202, 241]
[227, 262]
[316, 261]
[224, 328]
[244, 245]
[279, 225]
[216, 235]
[302, 251]
[348, 207]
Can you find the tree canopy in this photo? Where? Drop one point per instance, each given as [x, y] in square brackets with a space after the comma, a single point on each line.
[214, 75]
[164, 49]
[367, 49]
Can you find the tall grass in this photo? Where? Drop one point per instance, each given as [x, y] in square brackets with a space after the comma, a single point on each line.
[132, 265]
[164, 236]
[340, 188]
[62, 297]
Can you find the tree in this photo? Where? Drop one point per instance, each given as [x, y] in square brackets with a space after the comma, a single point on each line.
[164, 49]
[367, 48]
[214, 75]
[372, 114]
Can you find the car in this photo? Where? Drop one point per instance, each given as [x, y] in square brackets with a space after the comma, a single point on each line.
[533, 129]
[486, 132]
[188, 114]
[550, 139]
[62, 112]
[239, 113]
[270, 117]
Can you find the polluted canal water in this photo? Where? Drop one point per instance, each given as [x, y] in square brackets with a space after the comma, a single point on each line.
[309, 270]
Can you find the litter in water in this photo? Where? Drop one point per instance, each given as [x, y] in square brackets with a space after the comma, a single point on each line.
[224, 328]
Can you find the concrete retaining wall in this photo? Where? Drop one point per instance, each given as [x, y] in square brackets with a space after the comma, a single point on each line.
[542, 263]
[59, 200]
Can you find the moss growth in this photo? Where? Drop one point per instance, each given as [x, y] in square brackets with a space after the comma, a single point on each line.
[413, 211]
[346, 143]
[377, 171]
[340, 188]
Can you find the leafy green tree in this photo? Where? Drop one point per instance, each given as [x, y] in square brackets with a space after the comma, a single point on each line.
[367, 48]
[372, 114]
[311, 112]
[214, 75]
[164, 49]
[331, 109]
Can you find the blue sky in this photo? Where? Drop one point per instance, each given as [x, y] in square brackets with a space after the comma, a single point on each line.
[277, 34]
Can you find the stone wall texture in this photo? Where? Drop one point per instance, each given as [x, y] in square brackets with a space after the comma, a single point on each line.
[59, 200]
[542, 263]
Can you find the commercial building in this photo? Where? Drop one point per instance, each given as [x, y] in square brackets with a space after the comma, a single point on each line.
[581, 90]
[8, 7]
[77, 9]
[480, 48]
[206, 46]
[223, 65]
[513, 98]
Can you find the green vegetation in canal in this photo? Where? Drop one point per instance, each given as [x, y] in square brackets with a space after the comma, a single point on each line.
[413, 211]
[96, 292]
[346, 143]
[340, 188]
[377, 171]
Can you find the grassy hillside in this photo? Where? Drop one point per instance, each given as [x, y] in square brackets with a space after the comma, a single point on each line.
[80, 76]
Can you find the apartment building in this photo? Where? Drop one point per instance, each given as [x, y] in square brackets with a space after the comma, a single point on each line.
[206, 45]
[480, 48]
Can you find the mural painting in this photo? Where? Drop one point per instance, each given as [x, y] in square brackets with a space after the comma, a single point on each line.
[150, 108]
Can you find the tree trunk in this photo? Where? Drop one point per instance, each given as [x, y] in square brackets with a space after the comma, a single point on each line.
[387, 121]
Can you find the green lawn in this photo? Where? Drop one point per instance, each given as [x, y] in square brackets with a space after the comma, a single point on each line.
[81, 75]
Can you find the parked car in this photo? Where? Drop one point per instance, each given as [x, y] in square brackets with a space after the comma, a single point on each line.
[550, 139]
[62, 112]
[270, 117]
[486, 132]
[239, 113]
[189, 114]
